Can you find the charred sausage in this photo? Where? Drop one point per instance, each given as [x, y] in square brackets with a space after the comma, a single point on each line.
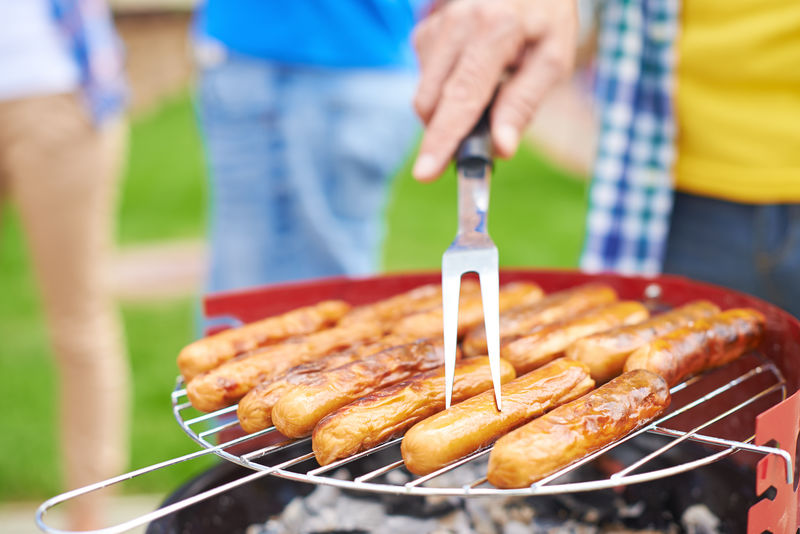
[390, 310]
[705, 344]
[475, 423]
[549, 342]
[389, 412]
[301, 408]
[576, 429]
[209, 352]
[229, 382]
[605, 353]
[255, 408]
[554, 307]
[470, 311]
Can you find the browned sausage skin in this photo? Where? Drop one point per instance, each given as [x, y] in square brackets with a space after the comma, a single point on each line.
[576, 429]
[706, 344]
[229, 382]
[557, 306]
[550, 341]
[605, 353]
[301, 408]
[255, 408]
[475, 423]
[390, 310]
[209, 352]
[390, 411]
[470, 310]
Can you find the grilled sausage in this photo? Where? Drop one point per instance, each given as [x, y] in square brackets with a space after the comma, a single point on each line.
[548, 342]
[387, 413]
[605, 353]
[705, 344]
[209, 352]
[229, 382]
[301, 408]
[554, 307]
[475, 423]
[470, 311]
[576, 429]
[255, 408]
[389, 311]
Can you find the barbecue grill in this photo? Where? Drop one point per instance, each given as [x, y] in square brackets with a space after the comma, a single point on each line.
[749, 406]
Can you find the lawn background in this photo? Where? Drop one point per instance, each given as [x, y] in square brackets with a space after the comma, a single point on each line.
[536, 220]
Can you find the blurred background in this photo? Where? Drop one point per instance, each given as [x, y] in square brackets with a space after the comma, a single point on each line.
[537, 219]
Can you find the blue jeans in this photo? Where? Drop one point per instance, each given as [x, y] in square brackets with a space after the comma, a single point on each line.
[300, 162]
[749, 247]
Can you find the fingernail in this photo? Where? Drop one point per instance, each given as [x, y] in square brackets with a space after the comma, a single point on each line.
[507, 138]
[425, 167]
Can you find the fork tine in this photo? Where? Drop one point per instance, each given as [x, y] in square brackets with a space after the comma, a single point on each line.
[451, 289]
[490, 289]
[472, 250]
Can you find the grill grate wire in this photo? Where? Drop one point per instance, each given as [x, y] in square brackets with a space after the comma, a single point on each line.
[631, 474]
[205, 427]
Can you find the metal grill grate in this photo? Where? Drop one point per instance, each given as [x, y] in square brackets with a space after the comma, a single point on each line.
[737, 393]
[728, 399]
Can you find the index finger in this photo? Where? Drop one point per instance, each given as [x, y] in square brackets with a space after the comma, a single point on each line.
[439, 46]
[464, 97]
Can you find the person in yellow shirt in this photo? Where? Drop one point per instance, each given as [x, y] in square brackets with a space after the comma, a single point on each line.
[736, 214]
[698, 164]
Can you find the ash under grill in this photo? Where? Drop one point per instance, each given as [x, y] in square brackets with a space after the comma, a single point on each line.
[709, 500]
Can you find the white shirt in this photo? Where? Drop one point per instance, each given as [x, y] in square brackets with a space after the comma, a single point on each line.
[34, 57]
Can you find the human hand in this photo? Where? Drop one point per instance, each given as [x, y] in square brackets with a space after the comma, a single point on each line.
[466, 49]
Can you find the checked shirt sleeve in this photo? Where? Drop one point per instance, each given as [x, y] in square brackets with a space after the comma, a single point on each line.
[630, 199]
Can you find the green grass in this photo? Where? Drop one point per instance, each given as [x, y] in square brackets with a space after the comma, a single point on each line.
[536, 220]
[164, 193]
[156, 332]
[28, 378]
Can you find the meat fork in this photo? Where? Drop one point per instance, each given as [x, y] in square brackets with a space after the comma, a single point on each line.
[472, 251]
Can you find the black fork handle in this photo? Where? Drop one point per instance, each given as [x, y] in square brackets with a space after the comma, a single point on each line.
[476, 148]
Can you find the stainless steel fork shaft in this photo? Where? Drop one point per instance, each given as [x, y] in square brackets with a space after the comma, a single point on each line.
[474, 174]
[473, 198]
[472, 250]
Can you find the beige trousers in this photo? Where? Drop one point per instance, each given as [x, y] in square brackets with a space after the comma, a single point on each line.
[62, 173]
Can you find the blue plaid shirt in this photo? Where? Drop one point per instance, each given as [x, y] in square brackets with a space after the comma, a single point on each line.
[630, 199]
[97, 50]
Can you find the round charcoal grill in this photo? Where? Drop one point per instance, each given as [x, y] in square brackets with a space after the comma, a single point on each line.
[749, 405]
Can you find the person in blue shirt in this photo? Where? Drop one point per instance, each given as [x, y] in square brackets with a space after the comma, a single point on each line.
[305, 109]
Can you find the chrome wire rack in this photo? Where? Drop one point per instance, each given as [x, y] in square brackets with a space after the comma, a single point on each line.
[723, 393]
[733, 396]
